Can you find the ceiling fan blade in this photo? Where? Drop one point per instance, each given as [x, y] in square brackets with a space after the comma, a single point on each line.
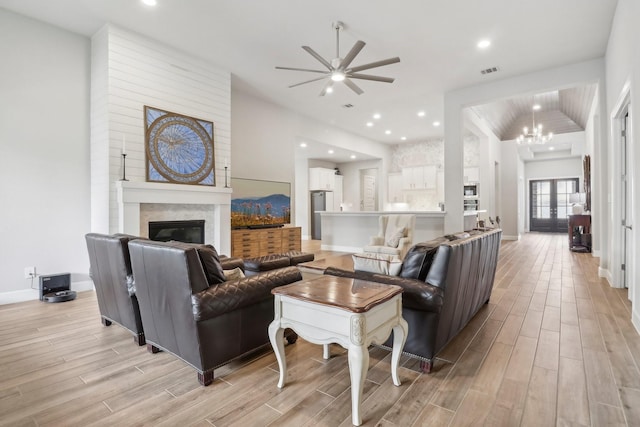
[369, 77]
[351, 85]
[318, 57]
[326, 87]
[301, 69]
[308, 81]
[374, 64]
[355, 50]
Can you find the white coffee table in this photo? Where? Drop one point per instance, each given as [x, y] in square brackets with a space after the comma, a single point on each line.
[350, 312]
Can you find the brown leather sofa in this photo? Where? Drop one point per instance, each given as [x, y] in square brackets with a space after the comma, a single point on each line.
[187, 310]
[110, 270]
[445, 281]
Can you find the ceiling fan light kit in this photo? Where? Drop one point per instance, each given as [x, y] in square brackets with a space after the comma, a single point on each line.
[338, 70]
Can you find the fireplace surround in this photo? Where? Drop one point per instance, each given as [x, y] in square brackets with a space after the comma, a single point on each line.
[215, 200]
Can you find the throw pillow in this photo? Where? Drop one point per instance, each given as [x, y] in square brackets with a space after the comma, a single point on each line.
[234, 274]
[394, 240]
[417, 261]
[210, 262]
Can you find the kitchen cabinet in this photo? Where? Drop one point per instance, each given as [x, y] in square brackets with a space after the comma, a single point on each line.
[471, 175]
[419, 178]
[321, 179]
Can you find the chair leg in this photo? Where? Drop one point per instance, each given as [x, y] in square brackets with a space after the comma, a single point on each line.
[152, 349]
[105, 321]
[426, 366]
[205, 378]
[139, 339]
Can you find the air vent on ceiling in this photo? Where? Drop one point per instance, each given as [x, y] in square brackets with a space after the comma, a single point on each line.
[489, 70]
[347, 106]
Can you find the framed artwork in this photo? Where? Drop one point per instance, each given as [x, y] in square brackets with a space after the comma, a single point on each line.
[179, 148]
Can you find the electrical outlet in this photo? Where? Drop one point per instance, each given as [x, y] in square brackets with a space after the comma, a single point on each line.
[29, 272]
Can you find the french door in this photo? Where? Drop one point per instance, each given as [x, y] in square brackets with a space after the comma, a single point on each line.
[549, 204]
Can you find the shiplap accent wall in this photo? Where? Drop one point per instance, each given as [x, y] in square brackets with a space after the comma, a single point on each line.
[130, 71]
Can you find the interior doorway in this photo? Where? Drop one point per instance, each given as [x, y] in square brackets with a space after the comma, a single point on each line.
[369, 189]
[549, 204]
[625, 199]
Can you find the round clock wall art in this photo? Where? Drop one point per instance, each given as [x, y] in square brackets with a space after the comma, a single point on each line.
[179, 148]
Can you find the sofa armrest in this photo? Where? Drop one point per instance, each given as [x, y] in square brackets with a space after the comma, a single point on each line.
[235, 294]
[376, 241]
[417, 294]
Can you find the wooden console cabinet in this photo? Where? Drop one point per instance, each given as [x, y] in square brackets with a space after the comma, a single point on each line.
[580, 233]
[248, 243]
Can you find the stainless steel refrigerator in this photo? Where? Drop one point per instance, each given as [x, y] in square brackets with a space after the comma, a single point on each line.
[318, 203]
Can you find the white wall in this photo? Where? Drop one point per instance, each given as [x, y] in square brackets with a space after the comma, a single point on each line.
[130, 71]
[265, 140]
[44, 153]
[623, 77]
[511, 180]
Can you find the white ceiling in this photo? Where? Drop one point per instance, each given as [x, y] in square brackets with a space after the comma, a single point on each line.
[435, 40]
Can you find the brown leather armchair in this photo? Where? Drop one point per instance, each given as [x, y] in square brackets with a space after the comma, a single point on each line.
[110, 270]
[206, 324]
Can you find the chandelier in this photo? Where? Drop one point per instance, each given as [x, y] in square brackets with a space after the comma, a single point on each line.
[534, 136]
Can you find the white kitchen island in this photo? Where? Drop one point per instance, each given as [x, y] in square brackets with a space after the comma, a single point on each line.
[350, 231]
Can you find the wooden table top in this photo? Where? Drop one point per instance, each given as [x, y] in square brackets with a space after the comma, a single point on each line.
[353, 295]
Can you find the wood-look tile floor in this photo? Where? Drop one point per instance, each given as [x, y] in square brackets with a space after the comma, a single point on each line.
[555, 346]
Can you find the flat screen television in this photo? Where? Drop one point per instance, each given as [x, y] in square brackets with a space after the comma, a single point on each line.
[260, 204]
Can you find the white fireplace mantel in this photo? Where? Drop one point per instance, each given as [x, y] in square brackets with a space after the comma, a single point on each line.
[130, 194]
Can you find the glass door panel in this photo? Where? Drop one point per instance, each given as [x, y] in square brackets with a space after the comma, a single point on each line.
[549, 204]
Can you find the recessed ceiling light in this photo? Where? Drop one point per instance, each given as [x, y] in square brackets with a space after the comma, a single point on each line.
[552, 148]
[436, 124]
[536, 107]
[377, 116]
[388, 132]
[421, 113]
[329, 90]
[303, 144]
[404, 138]
[369, 124]
[330, 151]
[483, 44]
[353, 156]
[150, 2]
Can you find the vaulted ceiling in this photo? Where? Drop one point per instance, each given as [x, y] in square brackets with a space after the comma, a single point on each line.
[435, 40]
[561, 111]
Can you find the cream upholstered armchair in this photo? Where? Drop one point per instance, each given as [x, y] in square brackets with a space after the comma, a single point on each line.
[395, 235]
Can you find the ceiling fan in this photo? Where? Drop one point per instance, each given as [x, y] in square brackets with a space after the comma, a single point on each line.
[338, 69]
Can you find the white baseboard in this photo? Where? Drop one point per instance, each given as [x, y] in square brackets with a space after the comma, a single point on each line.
[34, 294]
[595, 254]
[606, 274]
[635, 319]
[353, 249]
[504, 237]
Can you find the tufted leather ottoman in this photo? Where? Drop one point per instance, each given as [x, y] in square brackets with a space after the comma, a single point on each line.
[265, 263]
[297, 257]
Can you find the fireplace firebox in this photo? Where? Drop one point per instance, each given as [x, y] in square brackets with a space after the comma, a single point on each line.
[191, 231]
